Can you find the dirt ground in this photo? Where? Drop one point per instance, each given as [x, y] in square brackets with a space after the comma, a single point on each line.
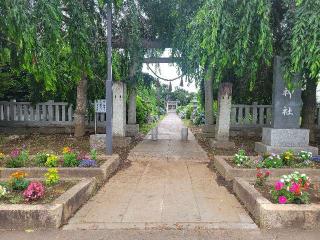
[246, 143]
[54, 143]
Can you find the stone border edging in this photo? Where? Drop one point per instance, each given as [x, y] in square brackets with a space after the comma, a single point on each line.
[229, 172]
[53, 215]
[275, 216]
[100, 173]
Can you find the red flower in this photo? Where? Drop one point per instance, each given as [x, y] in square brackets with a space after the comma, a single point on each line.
[267, 173]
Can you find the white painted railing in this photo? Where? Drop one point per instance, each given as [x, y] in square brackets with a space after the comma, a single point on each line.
[251, 115]
[43, 113]
[61, 113]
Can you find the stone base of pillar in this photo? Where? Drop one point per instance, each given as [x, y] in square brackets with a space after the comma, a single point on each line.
[222, 144]
[208, 131]
[98, 141]
[132, 130]
[280, 140]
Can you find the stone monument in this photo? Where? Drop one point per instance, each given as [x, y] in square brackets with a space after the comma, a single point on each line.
[132, 128]
[223, 119]
[285, 132]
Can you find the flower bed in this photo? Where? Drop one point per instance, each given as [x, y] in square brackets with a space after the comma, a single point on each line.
[101, 173]
[276, 205]
[19, 158]
[48, 202]
[49, 215]
[285, 160]
[244, 166]
[20, 189]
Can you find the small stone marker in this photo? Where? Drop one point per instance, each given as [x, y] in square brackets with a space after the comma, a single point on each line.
[154, 134]
[223, 120]
[184, 134]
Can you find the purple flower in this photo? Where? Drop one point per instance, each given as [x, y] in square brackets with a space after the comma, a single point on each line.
[87, 163]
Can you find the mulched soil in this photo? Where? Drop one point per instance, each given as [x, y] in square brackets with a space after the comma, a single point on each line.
[51, 193]
[313, 191]
[54, 143]
[246, 143]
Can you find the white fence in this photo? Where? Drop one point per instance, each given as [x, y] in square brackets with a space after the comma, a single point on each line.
[61, 113]
[55, 113]
[251, 115]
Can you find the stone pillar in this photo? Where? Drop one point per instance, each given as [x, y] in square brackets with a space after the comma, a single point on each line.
[208, 128]
[285, 133]
[132, 109]
[223, 119]
[132, 126]
[119, 109]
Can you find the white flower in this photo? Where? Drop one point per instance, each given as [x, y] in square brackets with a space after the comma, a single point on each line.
[3, 191]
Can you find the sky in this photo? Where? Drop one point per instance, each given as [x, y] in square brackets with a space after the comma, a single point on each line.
[169, 71]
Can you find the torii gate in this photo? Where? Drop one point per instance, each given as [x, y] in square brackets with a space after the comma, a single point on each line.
[120, 43]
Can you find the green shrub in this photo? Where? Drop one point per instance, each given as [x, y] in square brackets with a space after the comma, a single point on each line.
[188, 110]
[40, 159]
[142, 111]
[241, 158]
[18, 158]
[70, 160]
[93, 154]
[18, 181]
[272, 161]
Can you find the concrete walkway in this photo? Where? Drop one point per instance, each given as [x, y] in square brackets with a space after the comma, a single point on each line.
[167, 186]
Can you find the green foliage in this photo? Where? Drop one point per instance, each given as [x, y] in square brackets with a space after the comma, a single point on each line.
[70, 160]
[93, 154]
[52, 177]
[188, 111]
[18, 181]
[198, 117]
[272, 161]
[40, 159]
[142, 111]
[18, 159]
[304, 40]
[240, 158]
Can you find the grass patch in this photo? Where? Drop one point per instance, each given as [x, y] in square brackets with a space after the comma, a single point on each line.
[146, 127]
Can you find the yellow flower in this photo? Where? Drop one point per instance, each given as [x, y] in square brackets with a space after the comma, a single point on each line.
[66, 150]
[1, 155]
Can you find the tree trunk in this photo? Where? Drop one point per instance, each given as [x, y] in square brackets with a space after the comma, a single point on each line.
[132, 108]
[208, 100]
[80, 113]
[309, 107]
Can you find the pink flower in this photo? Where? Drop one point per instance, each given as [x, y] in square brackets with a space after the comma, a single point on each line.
[15, 153]
[34, 191]
[295, 188]
[282, 200]
[278, 185]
